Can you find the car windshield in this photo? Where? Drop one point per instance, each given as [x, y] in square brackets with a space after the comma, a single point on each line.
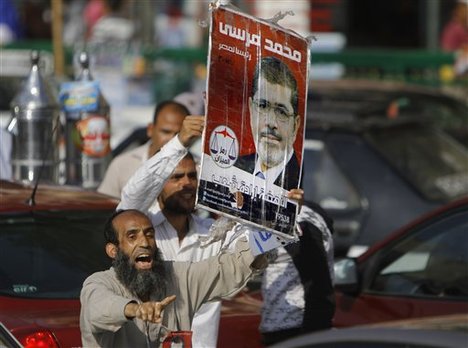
[431, 161]
[50, 254]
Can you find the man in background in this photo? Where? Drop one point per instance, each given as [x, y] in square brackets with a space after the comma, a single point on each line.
[455, 33]
[167, 122]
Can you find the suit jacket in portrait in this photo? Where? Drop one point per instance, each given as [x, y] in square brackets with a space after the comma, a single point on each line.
[291, 170]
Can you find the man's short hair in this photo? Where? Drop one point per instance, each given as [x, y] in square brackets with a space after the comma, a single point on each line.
[276, 72]
[110, 233]
[181, 108]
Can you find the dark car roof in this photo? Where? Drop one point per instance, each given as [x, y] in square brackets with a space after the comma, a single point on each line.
[345, 102]
[14, 196]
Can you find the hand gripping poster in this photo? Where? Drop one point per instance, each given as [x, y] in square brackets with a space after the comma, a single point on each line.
[255, 114]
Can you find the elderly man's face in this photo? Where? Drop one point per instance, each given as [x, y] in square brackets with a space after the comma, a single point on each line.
[136, 239]
[137, 261]
[273, 122]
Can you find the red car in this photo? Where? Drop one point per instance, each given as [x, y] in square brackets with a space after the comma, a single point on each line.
[419, 271]
[47, 249]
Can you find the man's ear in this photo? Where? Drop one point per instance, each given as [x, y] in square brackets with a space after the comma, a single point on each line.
[149, 130]
[111, 250]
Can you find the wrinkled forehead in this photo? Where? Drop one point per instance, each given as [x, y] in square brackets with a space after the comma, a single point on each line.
[131, 220]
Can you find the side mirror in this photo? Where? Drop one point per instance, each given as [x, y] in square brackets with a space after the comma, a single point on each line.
[346, 276]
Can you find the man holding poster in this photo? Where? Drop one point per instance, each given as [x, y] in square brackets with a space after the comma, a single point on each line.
[274, 121]
[253, 140]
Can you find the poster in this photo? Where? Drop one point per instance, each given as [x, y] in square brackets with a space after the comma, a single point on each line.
[254, 134]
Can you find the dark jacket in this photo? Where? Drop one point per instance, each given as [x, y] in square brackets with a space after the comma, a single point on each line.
[291, 172]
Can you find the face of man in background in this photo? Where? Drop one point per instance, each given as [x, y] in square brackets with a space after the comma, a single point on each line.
[179, 191]
[273, 122]
[168, 124]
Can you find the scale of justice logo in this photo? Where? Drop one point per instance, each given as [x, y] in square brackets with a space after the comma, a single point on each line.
[224, 146]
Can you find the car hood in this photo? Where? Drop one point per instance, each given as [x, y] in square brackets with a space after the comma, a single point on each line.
[52, 318]
[61, 319]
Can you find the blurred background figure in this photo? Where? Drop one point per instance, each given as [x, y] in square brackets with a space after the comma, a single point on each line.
[455, 33]
[10, 26]
[73, 23]
[114, 25]
[93, 11]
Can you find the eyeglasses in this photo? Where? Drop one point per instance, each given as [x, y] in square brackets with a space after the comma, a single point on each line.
[264, 106]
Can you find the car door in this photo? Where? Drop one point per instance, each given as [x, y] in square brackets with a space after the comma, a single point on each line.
[422, 273]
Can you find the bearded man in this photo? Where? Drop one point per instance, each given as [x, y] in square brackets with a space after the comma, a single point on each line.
[140, 299]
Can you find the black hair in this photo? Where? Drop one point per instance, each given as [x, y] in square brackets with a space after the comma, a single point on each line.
[181, 108]
[110, 233]
[277, 72]
[189, 156]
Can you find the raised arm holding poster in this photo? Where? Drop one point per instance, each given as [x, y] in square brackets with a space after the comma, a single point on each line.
[254, 134]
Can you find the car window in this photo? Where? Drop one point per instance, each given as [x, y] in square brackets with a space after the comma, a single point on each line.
[49, 255]
[323, 181]
[432, 262]
[449, 114]
[433, 163]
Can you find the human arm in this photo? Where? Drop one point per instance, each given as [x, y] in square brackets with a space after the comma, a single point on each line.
[148, 311]
[146, 184]
[219, 276]
[103, 304]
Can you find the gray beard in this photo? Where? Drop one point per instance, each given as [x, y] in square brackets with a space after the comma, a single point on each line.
[144, 284]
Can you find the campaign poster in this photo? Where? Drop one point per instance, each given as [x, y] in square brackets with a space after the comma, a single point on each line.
[255, 114]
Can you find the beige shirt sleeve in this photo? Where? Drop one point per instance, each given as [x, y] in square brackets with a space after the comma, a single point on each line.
[104, 308]
[210, 280]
